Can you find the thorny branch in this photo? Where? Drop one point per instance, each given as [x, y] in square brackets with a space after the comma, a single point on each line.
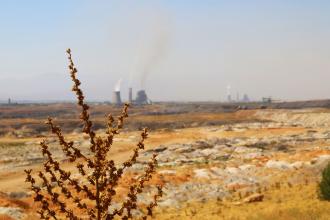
[62, 196]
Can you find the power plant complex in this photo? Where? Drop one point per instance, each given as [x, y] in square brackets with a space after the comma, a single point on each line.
[141, 97]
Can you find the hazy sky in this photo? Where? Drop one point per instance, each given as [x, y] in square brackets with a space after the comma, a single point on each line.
[185, 50]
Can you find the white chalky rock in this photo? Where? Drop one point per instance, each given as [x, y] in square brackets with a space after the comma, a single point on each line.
[282, 165]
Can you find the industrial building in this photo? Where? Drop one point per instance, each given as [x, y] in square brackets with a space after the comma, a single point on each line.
[141, 98]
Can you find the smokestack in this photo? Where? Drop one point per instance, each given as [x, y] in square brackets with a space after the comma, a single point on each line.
[229, 93]
[116, 98]
[130, 95]
[237, 97]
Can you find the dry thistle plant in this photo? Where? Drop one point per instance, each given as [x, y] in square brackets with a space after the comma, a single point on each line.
[61, 195]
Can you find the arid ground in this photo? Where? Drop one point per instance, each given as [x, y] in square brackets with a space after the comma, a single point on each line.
[215, 162]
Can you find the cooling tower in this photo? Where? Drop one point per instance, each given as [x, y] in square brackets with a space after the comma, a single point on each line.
[142, 98]
[116, 98]
[130, 95]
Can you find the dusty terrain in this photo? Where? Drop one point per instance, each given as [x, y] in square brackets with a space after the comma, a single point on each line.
[215, 163]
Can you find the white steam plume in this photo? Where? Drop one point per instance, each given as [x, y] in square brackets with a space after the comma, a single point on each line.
[117, 86]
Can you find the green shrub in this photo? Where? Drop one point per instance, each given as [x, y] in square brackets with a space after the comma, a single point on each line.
[324, 185]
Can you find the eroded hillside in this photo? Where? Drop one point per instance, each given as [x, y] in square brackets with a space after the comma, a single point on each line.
[249, 164]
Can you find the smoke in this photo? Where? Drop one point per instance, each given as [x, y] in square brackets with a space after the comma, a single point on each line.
[155, 52]
[117, 86]
[152, 46]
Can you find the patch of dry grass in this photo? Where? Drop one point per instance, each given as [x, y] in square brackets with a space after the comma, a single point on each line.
[299, 202]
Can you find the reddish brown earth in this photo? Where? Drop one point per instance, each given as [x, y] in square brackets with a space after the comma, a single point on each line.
[285, 136]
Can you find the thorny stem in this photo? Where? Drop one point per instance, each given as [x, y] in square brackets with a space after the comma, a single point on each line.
[98, 200]
[103, 179]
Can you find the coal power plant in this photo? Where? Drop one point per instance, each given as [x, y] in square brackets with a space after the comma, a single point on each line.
[116, 99]
[141, 96]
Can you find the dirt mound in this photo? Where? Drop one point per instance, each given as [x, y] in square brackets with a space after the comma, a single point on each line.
[306, 118]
